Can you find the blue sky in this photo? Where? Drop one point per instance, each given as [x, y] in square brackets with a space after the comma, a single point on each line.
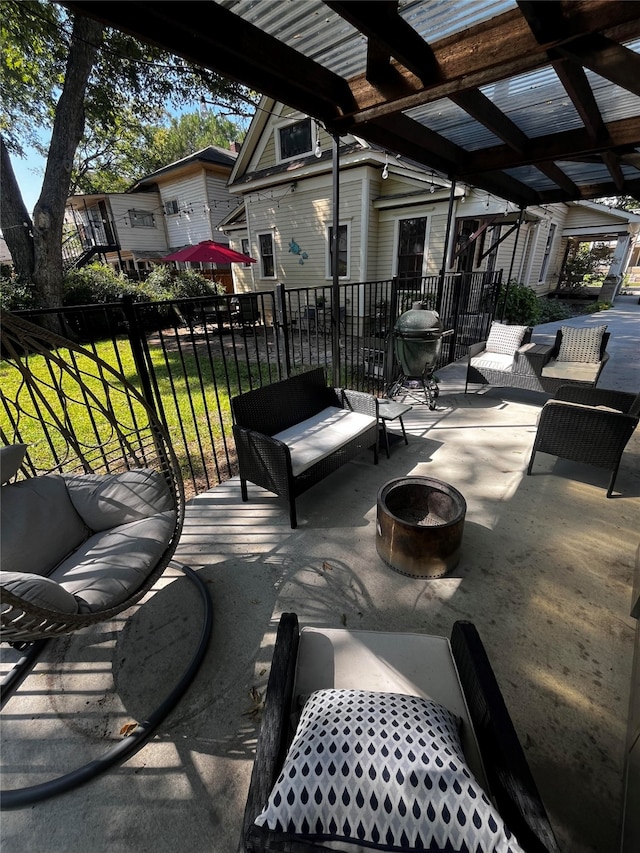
[29, 173]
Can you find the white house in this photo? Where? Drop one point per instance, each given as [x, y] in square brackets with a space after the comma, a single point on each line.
[175, 206]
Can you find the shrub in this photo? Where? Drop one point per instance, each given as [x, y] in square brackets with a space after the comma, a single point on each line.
[15, 295]
[97, 284]
[522, 306]
[597, 306]
[189, 283]
[553, 309]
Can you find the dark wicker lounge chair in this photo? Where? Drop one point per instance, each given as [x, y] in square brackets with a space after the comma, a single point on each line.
[457, 674]
[591, 425]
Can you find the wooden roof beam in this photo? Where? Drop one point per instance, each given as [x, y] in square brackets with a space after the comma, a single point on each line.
[381, 23]
[244, 53]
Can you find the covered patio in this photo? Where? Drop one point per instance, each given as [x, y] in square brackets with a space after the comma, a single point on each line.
[545, 574]
[547, 561]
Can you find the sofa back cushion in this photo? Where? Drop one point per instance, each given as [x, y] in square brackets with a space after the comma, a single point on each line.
[104, 501]
[39, 524]
[276, 407]
[581, 345]
[505, 339]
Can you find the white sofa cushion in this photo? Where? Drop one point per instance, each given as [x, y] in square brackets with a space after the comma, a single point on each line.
[40, 525]
[105, 569]
[493, 361]
[108, 500]
[11, 457]
[43, 592]
[577, 371]
[505, 339]
[314, 439]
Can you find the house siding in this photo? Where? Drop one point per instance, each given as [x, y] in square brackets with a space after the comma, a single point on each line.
[141, 238]
[192, 224]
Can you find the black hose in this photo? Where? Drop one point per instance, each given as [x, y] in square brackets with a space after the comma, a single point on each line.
[120, 752]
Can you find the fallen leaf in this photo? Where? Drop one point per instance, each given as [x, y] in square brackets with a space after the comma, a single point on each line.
[128, 729]
[327, 567]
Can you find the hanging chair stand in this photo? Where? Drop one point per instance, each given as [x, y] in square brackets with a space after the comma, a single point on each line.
[125, 749]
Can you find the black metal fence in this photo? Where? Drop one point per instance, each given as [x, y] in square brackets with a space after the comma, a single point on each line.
[190, 356]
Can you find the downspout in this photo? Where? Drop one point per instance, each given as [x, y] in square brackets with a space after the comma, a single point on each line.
[335, 291]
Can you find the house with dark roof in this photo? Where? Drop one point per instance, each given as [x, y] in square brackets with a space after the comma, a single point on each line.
[178, 205]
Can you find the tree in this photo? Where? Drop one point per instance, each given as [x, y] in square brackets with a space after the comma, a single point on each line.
[134, 149]
[63, 74]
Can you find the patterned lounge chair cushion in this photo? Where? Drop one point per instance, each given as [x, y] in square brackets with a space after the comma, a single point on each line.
[581, 345]
[378, 771]
[317, 437]
[505, 339]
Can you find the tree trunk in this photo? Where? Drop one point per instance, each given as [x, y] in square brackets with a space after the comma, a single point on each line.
[45, 269]
[14, 219]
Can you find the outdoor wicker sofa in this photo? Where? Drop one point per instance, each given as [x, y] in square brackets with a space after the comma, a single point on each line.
[509, 358]
[291, 434]
[344, 761]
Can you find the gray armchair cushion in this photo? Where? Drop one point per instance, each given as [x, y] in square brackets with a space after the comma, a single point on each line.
[111, 564]
[43, 592]
[104, 501]
[11, 458]
[39, 525]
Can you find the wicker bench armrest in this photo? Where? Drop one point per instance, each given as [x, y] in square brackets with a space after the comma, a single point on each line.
[510, 778]
[358, 401]
[476, 349]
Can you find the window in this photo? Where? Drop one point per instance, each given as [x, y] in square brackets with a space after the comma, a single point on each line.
[411, 249]
[245, 250]
[547, 252]
[343, 251]
[267, 260]
[295, 139]
[141, 219]
[171, 207]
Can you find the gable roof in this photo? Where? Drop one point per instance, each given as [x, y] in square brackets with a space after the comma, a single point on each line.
[536, 102]
[212, 154]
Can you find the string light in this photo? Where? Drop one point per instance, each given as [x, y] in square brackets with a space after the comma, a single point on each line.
[385, 168]
[318, 148]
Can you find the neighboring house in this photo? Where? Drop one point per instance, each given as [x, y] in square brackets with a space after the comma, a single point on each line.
[393, 215]
[175, 206]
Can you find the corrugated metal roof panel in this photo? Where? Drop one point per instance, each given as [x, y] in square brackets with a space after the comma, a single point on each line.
[452, 122]
[339, 46]
[536, 102]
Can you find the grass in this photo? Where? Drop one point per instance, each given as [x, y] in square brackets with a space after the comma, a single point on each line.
[194, 394]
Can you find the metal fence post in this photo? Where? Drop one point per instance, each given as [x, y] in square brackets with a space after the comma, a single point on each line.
[136, 336]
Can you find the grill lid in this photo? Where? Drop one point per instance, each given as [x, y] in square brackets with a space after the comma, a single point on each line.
[419, 323]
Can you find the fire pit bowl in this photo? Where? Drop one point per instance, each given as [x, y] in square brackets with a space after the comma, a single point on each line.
[419, 526]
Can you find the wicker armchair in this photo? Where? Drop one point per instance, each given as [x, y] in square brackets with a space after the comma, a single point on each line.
[591, 425]
[457, 673]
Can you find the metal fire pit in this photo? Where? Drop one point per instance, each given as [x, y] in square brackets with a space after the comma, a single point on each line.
[419, 526]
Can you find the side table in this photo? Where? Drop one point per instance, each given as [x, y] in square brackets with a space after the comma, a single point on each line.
[390, 411]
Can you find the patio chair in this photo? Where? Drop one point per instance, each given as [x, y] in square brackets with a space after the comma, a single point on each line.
[92, 501]
[388, 741]
[591, 425]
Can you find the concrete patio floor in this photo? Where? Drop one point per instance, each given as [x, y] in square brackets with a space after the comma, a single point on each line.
[545, 574]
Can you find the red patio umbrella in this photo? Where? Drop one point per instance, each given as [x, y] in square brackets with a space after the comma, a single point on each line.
[209, 252]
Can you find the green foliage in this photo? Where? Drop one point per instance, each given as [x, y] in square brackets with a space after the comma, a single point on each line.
[584, 263]
[597, 306]
[15, 295]
[552, 310]
[98, 284]
[522, 306]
